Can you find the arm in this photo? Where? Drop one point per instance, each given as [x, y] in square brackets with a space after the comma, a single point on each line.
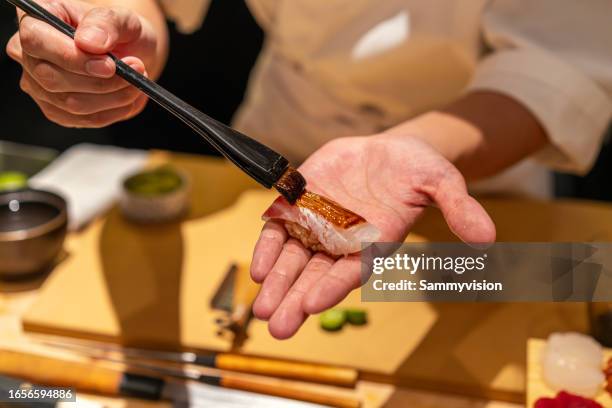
[73, 81]
[481, 133]
[545, 91]
[553, 57]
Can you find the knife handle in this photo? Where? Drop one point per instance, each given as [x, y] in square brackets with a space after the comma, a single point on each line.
[296, 391]
[94, 378]
[298, 371]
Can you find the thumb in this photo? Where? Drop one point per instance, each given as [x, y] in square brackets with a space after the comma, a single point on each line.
[466, 218]
[102, 29]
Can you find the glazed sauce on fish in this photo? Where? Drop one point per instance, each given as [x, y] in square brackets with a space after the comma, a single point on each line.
[330, 210]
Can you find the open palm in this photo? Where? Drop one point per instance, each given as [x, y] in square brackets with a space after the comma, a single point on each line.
[388, 180]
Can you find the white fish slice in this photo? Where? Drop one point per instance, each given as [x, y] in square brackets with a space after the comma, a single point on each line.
[323, 225]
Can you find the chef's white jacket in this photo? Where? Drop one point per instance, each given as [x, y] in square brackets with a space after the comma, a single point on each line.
[332, 68]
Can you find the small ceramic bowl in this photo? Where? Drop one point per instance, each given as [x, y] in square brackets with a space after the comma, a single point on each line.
[33, 226]
[153, 196]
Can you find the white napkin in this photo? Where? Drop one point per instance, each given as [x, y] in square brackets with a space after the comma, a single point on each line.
[89, 178]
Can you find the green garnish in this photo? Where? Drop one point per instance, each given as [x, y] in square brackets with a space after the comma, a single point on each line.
[12, 180]
[156, 182]
[357, 317]
[333, 319]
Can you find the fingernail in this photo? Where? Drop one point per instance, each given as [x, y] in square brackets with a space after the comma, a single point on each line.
[136, 67]
[94, 35]
[99, 67]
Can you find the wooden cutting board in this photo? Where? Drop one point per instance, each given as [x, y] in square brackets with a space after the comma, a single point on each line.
[152, 285]
[537, 388]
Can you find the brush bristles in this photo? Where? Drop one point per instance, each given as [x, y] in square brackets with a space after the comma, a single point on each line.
[291, 185]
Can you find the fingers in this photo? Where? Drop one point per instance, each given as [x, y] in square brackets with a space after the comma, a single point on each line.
[102, 29]
[61, 97]
[69, 11]
[292, 259]
[73, 81]
[95, 120]
[99, 31]
[294, 284]
[288, 318]
[13, 48]
[333, 286]
[54, 79]
[80, 103]
[290, 315]
[42, 42]
[466, 218]
[267, 250]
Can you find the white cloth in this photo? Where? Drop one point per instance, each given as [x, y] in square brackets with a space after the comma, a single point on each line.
[353, 67]
[89, 178]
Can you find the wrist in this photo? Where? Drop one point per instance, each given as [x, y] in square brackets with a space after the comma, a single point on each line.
[453, 137]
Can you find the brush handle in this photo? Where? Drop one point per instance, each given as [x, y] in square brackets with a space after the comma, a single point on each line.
[83, 377]
[298, 371]
[260, 162]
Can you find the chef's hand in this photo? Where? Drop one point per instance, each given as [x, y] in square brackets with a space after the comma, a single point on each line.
[390, 179]
[387, 179]
[73, 81]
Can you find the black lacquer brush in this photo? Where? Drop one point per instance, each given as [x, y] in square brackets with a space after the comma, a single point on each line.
[263, 164]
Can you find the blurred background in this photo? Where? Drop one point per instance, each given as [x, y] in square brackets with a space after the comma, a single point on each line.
[207, 72]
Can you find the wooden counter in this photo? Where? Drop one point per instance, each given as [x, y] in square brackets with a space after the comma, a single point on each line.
[151, 286]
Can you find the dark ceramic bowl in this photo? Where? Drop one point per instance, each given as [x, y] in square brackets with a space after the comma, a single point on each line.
[33, 226]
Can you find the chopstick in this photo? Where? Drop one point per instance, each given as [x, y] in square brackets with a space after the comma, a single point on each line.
[263, 164]
[342, 376]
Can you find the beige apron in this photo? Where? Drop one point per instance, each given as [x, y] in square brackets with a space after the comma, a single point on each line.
[334, 68]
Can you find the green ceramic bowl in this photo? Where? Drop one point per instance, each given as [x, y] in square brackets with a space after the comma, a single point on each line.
[157, 195]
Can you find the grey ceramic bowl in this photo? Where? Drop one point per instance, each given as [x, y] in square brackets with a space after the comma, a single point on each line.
[33, 227]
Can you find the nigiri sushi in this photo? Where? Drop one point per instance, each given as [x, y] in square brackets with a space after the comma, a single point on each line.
[322, 224]
[573, 362]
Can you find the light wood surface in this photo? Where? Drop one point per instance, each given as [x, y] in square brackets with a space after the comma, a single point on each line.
[49, 371]
[304, 392]
[151, 286]
[536, 386]
[40, 364]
